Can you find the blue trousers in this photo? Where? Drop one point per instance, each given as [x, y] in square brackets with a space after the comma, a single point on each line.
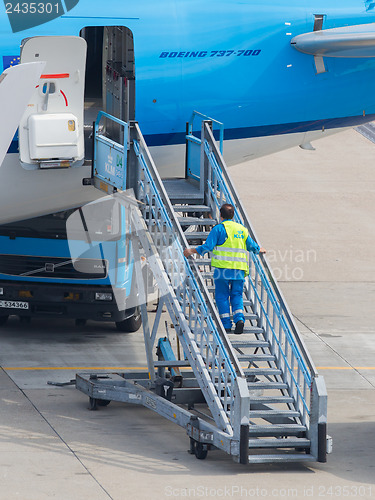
[225, 291]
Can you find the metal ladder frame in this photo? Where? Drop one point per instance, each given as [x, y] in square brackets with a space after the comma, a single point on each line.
[217, 371]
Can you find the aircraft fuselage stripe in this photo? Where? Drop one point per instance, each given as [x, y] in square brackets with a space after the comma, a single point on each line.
[265, 130]
[167, 139]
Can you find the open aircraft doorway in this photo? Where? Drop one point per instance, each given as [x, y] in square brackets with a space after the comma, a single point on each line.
[110, 78]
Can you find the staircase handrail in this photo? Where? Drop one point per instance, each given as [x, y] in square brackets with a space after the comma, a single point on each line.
[221, 353]
[205, 117]
[192, 263]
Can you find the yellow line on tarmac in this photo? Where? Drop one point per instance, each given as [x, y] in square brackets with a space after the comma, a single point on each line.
[345, 367]
[40, 368]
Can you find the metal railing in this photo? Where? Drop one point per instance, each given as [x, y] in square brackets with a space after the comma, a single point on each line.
[297, 367]
[204, 340]
[190, 128]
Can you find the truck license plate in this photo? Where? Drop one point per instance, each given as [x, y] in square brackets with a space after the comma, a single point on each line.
[11, 304]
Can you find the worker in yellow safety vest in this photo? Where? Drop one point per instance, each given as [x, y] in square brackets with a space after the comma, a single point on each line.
[230, 244]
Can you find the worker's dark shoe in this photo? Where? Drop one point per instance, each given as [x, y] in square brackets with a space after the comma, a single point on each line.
[228, 330]
[239, 327]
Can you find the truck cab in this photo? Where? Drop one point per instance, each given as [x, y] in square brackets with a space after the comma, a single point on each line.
[50, 267]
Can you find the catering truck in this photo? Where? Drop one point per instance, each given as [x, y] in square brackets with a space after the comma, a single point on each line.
[60, 256]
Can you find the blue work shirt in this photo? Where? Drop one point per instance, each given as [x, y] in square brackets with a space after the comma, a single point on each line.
[218, 236]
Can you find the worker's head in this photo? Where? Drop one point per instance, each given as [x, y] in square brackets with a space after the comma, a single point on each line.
[227, 211]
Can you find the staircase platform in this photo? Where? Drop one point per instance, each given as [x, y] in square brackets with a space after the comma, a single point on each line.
[183, 190]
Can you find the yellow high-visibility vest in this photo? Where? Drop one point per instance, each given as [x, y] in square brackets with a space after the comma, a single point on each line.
[232, 254]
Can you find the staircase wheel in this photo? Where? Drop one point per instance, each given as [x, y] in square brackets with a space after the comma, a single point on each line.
[103, 402]
[93, 404]
[200, 451]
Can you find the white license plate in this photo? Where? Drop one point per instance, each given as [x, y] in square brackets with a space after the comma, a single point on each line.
[12, 304]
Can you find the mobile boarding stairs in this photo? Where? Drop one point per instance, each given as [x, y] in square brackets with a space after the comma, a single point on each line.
[256, 396]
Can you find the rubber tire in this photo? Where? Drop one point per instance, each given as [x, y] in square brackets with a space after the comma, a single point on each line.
[200, 453]
[3, 319]
[131, 324]
[93, 404]
[103, 402]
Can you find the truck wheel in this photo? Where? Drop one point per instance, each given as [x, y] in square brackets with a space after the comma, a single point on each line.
[131, 324]
[3, 319]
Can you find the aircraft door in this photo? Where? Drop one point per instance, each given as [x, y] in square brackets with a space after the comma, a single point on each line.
[51, 132]
[118, 74]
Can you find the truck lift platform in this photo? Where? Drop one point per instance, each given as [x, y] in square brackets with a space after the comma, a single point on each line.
[257, 396]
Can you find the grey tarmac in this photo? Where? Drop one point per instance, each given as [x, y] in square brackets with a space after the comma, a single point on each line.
[314, 212]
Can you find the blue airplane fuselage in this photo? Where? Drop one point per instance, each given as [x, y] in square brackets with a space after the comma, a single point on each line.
[231, 60]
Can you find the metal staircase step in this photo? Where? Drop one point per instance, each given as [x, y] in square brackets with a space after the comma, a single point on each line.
[191, 208]
[172, 363]
[276, 458]
[277, 430]
[207, 274]
[237, 344]
[267, 385]
[256, 357]
[274, 413]
[252, 329]
[262, 371]
[196, 221]
[250, 316]
[279, 443]
[271, 399]
[249, 329]
[203, 262]
[196, 235]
